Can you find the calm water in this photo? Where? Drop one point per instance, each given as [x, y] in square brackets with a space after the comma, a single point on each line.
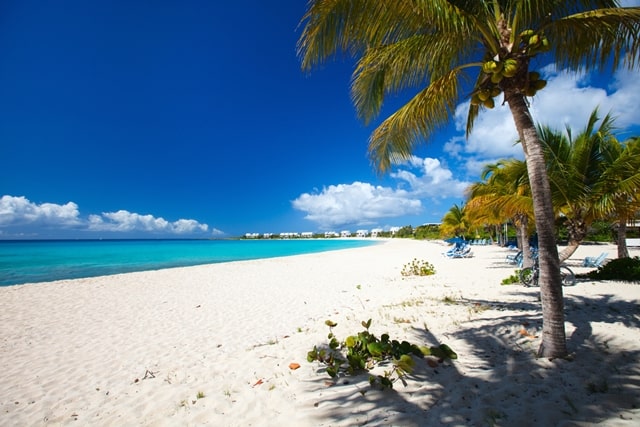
[43, 261]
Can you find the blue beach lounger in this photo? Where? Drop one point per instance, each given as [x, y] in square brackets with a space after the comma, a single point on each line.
[595, 261]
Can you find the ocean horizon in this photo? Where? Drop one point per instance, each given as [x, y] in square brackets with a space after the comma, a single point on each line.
[36, 261]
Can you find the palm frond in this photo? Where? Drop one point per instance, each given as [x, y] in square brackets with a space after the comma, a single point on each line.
[595, 39]
[353, 26]
[392, 68]
[395, 139]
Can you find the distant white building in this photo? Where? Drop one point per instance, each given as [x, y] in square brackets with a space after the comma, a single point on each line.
[345, 233]
[252, 235]
[394, 230]
[376, 231]
[362, 233]
[330, 234]
[307, 235]
[289, 235]
[267, 235]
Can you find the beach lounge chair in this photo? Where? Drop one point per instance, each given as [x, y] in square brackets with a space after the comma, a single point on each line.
[457, 246]
[514, 258]
[595, 261]
[462, 252]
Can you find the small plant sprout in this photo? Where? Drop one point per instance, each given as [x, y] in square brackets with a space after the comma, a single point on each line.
[200, 395]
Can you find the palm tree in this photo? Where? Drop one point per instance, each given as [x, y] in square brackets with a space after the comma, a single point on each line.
[432, 45]
[504, 194]
[592, 176]
[454, 222]
[619, 187]
[575, 166]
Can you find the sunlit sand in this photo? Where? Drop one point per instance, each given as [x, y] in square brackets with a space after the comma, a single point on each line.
[213, 344]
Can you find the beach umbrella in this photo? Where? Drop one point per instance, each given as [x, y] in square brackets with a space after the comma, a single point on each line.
[455, 240]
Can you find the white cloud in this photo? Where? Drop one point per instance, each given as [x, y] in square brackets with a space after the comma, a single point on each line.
[216, 232]
[420, 180]
[124, 221]
[21, 211]
[433, 180]
[568, 100]
[358, 203]
[189, 226]
[493, 134]
[18, 214]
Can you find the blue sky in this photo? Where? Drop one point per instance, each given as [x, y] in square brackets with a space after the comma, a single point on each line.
[193, 119]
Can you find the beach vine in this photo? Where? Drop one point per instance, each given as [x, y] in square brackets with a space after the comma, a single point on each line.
[363, 351]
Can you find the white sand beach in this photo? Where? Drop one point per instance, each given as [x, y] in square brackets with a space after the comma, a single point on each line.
[212, 345]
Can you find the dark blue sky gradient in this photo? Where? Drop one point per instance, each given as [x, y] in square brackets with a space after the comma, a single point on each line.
[180, 110]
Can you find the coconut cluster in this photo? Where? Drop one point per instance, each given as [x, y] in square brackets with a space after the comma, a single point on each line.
[531, 44]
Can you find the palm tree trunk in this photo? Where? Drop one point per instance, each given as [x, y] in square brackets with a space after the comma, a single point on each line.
[577, 233]
[554, 342]
[523, 232]
[623, 251]
[572, 247]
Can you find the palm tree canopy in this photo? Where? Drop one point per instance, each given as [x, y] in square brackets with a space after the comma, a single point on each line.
[432, 45]
[577, 167]
[619, 185]
[504, 192]
[454, 221]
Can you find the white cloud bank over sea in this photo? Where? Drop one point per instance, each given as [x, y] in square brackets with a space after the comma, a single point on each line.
[22, 218]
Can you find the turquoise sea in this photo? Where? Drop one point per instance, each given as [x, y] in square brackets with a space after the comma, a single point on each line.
[29, 261]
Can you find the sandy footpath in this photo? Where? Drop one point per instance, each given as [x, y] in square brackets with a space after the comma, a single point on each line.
[212, 345]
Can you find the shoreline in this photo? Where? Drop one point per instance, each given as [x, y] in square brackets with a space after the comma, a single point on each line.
[140, 348]
[82, 262]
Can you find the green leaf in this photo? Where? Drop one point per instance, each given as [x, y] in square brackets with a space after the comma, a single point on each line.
[356, 361]
[438, 352]
[366, 324]
[448, 352]
[332, 371]
[406, 363]
[385, 382]
[426, 351]
[375, 349]
[350, 342]
[405, 347]
[330, 323]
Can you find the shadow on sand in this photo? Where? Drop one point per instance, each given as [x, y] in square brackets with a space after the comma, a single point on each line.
[497, 379]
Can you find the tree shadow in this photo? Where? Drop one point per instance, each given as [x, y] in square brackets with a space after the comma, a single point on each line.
[497, 379]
